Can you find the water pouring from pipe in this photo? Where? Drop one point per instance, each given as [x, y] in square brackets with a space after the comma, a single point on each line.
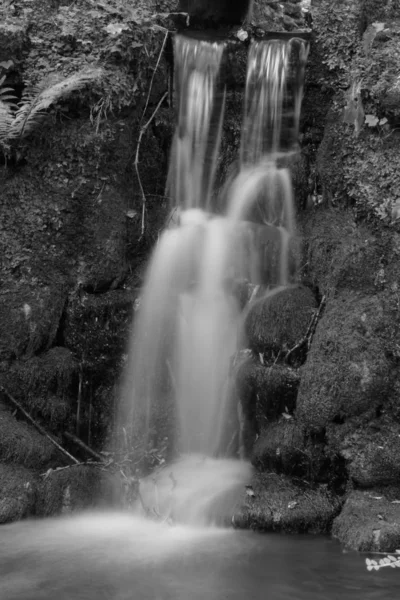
[187, 330]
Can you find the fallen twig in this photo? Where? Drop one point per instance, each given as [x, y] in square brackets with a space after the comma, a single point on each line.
[155, 71]
[38, 427]
[143, 130]
[307, 339]
[78, 405]
[315, 321]
[73, 438]
[82, 464]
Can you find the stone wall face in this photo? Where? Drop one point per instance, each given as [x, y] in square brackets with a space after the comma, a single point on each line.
[73, 235]
[73, 250]
[341, 431]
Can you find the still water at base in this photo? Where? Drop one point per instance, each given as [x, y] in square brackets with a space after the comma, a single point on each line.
[124, 557]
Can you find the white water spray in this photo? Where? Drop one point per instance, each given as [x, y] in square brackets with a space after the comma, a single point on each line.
[186, 332]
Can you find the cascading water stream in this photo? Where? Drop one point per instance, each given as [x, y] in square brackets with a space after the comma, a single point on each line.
[265, 92]
[187, 329]
[200, 111]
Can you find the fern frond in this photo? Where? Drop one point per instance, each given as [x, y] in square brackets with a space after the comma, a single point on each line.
[38, 99]
[6, 93]
[7, 110]
[6, 119]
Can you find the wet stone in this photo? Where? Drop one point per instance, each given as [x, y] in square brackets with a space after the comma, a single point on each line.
[347, 372]
[280, 448]
[371, 451]
[274, 503]
[369, 522]
[280, 320]
[17, 492]
[270, 390]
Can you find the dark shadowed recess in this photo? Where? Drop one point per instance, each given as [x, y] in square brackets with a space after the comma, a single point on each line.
[217, 11]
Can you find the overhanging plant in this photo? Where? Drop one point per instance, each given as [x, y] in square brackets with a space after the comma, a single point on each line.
[18, 120]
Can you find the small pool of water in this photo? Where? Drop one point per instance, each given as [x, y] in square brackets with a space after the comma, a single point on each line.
[123, 557]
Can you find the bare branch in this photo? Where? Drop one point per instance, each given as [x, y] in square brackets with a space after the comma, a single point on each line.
[38, 427]
[73, 438]
[307, 339]
[143, 130]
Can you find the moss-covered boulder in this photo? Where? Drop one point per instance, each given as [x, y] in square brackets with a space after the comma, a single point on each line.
[346, 373]
[280, 448]
[17, 497]
[375, 10]
[264, 394]
[22, 444]
[359, 153]
[13, 39]
[371, 449]
[275, 503]
[280, 320]
[45, 385]
[361, 168]
[343, 255]
[71, 230]
[106, 319]
[268, 391]
[75, 488]
[369, 522]
[30, 309]
[276, 16]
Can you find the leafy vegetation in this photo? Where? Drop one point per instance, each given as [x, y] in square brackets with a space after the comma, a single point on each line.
[338, 32]
[357, 159]
[387, 561]
[69, 45]
[80, 79]
[18, 120]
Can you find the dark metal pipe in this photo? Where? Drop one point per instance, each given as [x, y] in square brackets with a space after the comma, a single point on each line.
[217, 11]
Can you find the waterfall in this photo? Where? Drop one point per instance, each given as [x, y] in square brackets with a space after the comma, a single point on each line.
[185, 333]
[200, 108]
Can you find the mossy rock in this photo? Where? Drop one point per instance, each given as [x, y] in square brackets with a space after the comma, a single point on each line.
[378, 10]
[13, 38]
[21, 443]
[347, 373]
[362, 169]
[371, 451]
[76, 488]
[359, 162]
[278, 16]
[277, 322]
[45, 384]
[380, 56]
[284, 447]
[280, 448]
[275, 503]
[30, 315]
[342, 255]
[97, 325]
[299, 169]
[369, 522]
[266, 16]
[17, 492]
[269, 391]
